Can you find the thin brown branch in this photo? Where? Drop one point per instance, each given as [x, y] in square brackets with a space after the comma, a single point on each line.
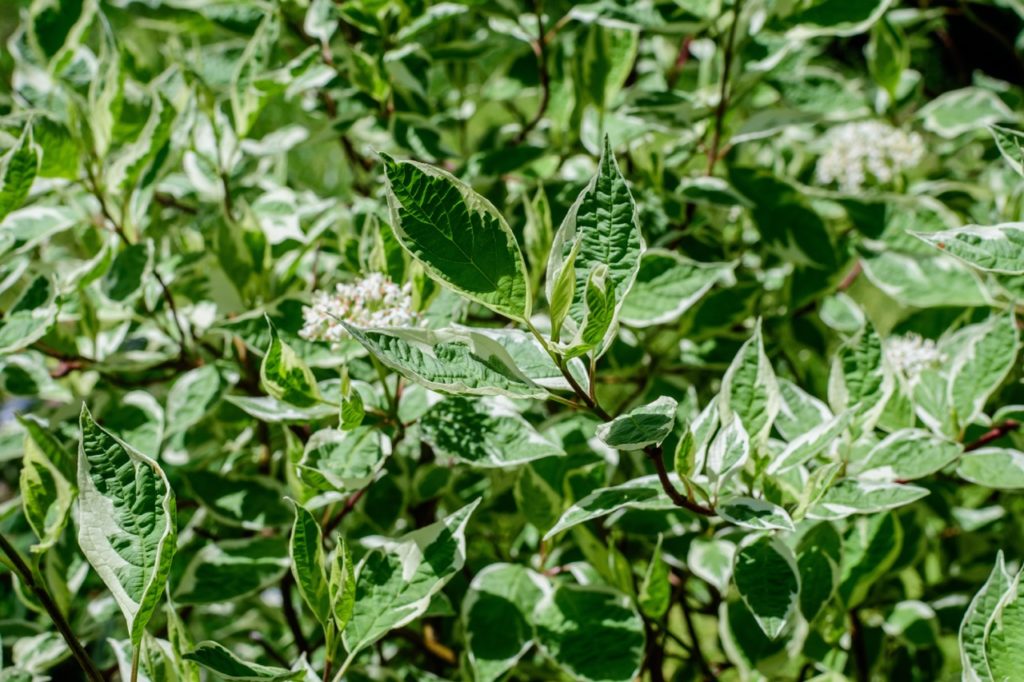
[993, 434]
[723, 91]
[540, 50]
[290, 616]
[28, 578]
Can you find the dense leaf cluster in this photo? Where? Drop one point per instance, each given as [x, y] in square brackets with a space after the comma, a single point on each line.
[393, 339]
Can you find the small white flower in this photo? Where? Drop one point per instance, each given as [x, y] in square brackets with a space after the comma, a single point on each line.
[857, 151]
[374, 301]
[910, 354]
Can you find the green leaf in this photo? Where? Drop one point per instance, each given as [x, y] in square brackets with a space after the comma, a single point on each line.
[1004, 634]
[979, 612]
[711, 560]
[750, 390]
[667, 285]
[484, 433]
[455, 361]
[640, 493]
[226, 666]
[907, 455]
[956, 112]
[727, 453]
[996, 468]
[191, 397]
[250, 502]
[247, 95]
[562, 294]
[1011, 146]
[996, 248]
[603, 220]
[809, 444]
[47, 484]
[571, 620]
[834, 18]
[754, 514]
[817, 558]
[599, 321]
[126, 522]
[655, 595]
[861, 380]
[766, 577]
[496, 617]
[230, 569]
[343, 460]
[458, 236]
[398, 578]
[17, 172]
[925, 280]
[642, 426]
[285, 376]
[888, 56]
[984, 358]
[273, 411]
[799, 412]
[309, 566]
[870, 546]
[124, 280]
[31, 317]
[342, 584]
[852, 496]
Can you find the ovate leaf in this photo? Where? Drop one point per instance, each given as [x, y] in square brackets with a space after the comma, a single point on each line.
[983, 359]
[852, 496]
[483, 432]
[766, 576]
[999, 248]
[571, 620]
[640, 493]
[343, 460]
[754, 514]
[1011, 146]
[870, 546]
[642, 426]
[398, 578]
[458, 236]
[861, 379]
[997, 468]
[496, 615]
[907, 455]
[226, 570]
[667, 285]
[17, 172]
[126, 522]
[655, 596]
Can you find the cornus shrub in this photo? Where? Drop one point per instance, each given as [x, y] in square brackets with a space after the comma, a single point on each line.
[399, 340]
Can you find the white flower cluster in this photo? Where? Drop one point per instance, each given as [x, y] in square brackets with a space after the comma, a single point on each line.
[910, 354]
[857, 150]
[374, 301]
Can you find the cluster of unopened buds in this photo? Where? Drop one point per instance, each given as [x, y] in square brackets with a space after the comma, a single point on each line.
[373, 301]
[856, 151]
[911, 354]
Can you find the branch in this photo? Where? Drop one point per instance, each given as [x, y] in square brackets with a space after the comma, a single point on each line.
[539, 49]
[290, 617]
[993, 434]
[28, 578]
[723, 92]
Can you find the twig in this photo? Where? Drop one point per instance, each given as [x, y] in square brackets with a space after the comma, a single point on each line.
[995, 433]
[350, 504]
[290, 617]
[723, 92]
[540, 50]
[27, 577]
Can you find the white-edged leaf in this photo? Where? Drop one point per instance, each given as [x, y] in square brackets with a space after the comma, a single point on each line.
[642, 426]
[767, 579]
[906, 455]
[750, 390]
[994, 248]
[640, 493]
[992, 467]
[852, 496]
[972, 628]
[667, 285]
[754, 514]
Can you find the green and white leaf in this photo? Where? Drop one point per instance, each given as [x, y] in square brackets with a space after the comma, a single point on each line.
[853, 496]
[995, 248]
[230, 569]
[750, 390]
[860, 379]
[309, 567]
[907, 455]
[642, 426]
[226, 666]
[972, 628]
[18, 169]
[747, 512]
[809, 444]
[1011, 146]
[571, 619]
[285, 376]
[640, 493]
[667, 285]
[484, 432]
[984, 358]
[47, 484]
[343, 460]
[398, 578]
[768, 581]
[961, 111]
[458, 236]
[727, 454]
[996, 468]
[126, 522]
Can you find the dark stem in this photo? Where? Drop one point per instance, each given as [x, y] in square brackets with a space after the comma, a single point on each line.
[696, 653]
[859, 647]
[27, 577]
[290, 616]
[723, 92]
[654, 453]
[350, 504]
[995, 433]
[540, 50]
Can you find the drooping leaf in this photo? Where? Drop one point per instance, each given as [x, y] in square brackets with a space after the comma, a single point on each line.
[309, 565]
[870, 546]
[47, 484]
[126, 522]
[251, 502]
[667, 285]
[285, 376]
[570, 620]
[458, 236]
[226, 666]
[640, 493]
[222, 571]
[18, 169]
